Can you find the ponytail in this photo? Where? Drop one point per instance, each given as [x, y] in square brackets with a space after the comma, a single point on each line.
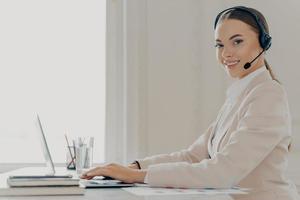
[270, 71]
[274, 78]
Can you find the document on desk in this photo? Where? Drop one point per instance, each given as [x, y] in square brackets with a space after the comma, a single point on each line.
[153, 191]
[33, 190]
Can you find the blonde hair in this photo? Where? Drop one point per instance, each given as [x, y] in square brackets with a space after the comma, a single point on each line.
[270, 71]
[274, 78]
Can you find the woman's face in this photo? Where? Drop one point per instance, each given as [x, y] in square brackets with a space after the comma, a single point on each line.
[237, 44]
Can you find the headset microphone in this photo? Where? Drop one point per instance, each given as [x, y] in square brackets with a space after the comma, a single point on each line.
[248, 64]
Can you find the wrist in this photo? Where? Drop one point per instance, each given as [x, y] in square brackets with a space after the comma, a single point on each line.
[135, 165]
[140, 176]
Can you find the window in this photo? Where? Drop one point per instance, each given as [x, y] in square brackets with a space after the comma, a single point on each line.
[52, 63]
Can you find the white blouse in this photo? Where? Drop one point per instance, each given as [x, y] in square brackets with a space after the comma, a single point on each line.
[232, 94]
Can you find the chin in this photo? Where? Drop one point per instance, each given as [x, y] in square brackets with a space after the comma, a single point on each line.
[232, 75]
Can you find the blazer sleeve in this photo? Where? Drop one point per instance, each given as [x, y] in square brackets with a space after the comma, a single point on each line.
[263, 123]
[194, 153]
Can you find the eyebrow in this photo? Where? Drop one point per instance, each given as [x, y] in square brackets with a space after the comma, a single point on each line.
[232, 37]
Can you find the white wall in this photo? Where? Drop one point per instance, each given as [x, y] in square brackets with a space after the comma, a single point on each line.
[180, 86]
[52, 61]
[178, 72]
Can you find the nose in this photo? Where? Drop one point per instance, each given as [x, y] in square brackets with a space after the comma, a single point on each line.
[227, 52]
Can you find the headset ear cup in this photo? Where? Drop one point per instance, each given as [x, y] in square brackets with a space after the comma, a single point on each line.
[268, 41]
[265, 41]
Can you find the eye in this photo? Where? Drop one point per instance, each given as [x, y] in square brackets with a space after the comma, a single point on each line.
[219, 45]
[238, 41]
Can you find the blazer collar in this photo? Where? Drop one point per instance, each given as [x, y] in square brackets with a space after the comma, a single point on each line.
[238, 86]
[262, 77]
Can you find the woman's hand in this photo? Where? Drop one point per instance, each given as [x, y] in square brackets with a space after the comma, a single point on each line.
[116, 171]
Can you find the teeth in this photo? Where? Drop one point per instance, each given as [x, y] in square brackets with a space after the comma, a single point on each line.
[231, 63]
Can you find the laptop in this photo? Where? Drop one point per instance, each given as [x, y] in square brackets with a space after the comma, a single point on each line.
[49, 171]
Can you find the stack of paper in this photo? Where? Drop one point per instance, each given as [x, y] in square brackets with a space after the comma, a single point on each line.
[43, 186]
[145, 190]
[25, 181]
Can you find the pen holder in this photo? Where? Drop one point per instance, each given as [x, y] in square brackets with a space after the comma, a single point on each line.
[84, 158]
[84, 153]
[71, 158]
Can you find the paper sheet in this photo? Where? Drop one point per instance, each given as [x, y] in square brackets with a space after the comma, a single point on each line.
[150, 191]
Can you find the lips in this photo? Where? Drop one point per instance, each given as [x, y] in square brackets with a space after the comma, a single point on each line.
[231, 64]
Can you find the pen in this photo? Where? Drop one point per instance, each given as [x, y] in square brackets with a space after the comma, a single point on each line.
[72, 161]
[74, 148]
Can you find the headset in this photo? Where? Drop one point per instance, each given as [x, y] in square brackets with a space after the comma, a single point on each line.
[265, 40]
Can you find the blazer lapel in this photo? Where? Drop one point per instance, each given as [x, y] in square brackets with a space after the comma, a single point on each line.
[265, 76]
[211, 137]
[227, 122]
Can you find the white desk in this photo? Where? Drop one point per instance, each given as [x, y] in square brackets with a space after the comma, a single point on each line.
[104, 193]
[118, 194]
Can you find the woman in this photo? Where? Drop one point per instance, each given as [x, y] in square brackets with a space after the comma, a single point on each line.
[248, 144]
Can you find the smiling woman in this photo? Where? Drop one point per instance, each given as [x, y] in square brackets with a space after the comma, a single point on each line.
[242, 44]
[52, 63]
[247, 144]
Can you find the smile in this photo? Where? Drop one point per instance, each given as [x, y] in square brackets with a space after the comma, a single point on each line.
[231, 64]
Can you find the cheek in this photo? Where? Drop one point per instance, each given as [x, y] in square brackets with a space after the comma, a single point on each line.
[244, 52]
[248, 52]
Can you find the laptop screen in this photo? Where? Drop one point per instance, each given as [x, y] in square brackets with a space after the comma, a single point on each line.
[45, 148]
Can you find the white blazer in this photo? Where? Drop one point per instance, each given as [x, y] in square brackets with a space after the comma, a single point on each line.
[252, 152]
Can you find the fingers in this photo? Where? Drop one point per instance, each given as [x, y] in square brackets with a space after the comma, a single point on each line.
[112, 170]
[98, 171]
[86, 177]
[91, 173]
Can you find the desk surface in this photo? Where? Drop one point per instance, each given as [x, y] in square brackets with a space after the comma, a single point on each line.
[119, 194]
[104, 193]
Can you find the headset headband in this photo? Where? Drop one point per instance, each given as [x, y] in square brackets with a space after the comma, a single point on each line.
[264, 37]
